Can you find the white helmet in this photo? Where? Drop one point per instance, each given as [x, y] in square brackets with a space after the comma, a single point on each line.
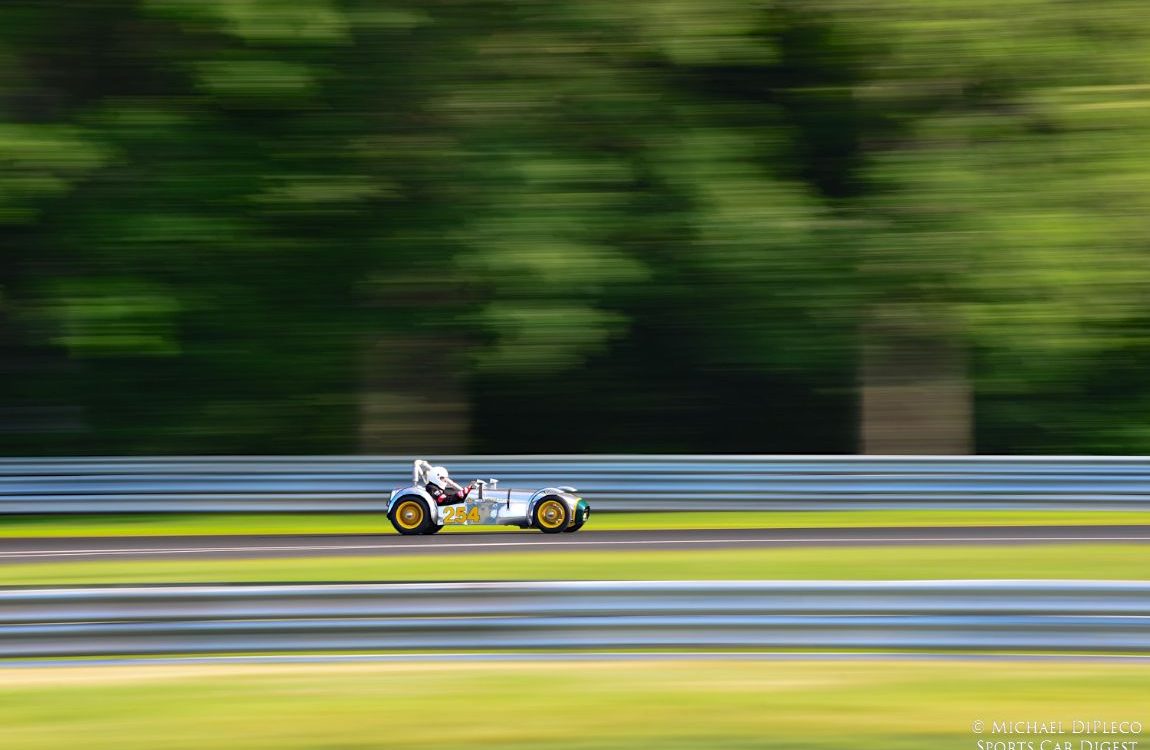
[439, 477]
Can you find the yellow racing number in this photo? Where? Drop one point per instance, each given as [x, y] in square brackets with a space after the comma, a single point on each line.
[457, 514]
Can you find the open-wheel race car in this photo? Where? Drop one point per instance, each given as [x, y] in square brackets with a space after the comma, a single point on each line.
[434, 500]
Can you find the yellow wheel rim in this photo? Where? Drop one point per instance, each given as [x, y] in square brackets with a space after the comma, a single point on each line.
[552, 514]
[409, 515]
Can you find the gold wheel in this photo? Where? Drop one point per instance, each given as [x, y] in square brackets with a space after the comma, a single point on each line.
[410, 516]
[551, 516]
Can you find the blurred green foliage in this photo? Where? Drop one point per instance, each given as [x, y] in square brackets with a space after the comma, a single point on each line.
[572, 225]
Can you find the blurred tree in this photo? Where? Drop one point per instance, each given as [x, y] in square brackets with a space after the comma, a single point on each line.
[998, 207]
[552, 225]
[210, 276]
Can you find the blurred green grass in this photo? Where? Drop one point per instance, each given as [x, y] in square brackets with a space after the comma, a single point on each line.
[668, 705]
[1114, 561]
[359, 523]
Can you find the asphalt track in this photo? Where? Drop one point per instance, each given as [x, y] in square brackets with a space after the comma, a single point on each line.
[383, 545]
[614, 657]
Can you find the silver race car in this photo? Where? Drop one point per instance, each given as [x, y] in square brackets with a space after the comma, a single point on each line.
[434, 500]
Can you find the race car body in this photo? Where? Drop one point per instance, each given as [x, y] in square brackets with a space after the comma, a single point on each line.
[416, 510]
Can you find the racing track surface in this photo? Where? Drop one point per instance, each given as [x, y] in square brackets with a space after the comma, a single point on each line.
[385, 544]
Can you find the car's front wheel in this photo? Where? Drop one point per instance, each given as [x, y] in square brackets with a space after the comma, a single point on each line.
[551, 516]
[582, 513]
[410, 515]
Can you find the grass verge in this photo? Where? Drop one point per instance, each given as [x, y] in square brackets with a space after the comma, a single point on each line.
[352, 523]
[1087, 561]
[668, 705]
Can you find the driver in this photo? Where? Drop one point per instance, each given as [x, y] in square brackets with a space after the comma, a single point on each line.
[438, 483]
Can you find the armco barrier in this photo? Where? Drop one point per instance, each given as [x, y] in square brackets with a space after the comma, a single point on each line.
[317, 484]
[1047, 616]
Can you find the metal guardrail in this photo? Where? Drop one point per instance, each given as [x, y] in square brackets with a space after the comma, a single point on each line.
[1048, 616]
[317, 484]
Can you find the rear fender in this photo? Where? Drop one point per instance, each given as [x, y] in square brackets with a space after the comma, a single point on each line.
[436, 509]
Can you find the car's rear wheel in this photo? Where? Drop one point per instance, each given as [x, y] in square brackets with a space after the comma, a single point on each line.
[410, 515]
[551, 515]
[435, 528]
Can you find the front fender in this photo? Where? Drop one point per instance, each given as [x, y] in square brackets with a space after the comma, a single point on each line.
[571, 501]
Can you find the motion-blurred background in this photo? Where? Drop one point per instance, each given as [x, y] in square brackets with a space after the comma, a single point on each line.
[392, 226]
[416, 228]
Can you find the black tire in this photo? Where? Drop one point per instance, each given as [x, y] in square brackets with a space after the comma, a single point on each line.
[551, 515]
[582, 513]
[435, 529]
[410, 515]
